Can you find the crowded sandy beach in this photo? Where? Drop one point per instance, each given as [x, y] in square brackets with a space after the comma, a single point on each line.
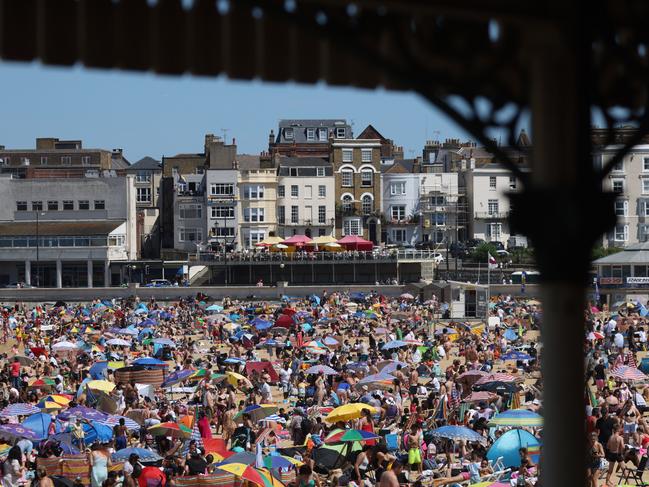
[331, 389]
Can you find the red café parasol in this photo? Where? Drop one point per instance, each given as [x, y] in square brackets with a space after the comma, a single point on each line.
[354, 242]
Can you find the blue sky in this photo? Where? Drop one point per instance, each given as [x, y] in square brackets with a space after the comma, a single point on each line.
[153, 115]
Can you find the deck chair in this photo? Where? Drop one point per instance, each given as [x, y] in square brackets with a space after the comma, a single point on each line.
[392, 442]
[628, 474]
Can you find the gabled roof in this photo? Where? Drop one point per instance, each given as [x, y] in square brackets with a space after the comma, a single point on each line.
[248, 161]
[370, 132]
[146, 163]
[404, 166]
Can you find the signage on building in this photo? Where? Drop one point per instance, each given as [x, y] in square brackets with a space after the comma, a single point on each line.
[603, 281]
[637, 280]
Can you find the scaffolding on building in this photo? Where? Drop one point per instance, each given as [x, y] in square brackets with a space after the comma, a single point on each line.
[443, 207]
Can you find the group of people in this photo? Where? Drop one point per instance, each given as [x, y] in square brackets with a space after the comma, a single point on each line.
[264, 379]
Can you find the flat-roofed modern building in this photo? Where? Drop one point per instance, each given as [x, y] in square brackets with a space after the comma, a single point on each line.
[66, 232]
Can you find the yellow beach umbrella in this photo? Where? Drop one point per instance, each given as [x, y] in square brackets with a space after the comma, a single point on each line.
[349, 411]
[101, 385]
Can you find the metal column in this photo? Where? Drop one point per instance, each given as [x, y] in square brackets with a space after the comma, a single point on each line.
[59, 273]
[89, 272]
[28, 272]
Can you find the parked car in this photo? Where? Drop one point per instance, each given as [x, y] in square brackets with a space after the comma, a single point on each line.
[19, 285]
[438, 258]
[159, 283]
[427, 245]
[458, 250]
[498, 245]
[472, 243]
[502, 253]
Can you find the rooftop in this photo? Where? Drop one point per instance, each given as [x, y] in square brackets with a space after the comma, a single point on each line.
[146, 163]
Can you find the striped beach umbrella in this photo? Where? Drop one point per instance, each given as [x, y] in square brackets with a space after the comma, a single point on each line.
[517, 417]
[350, 435]
[624, 372]
[113, 420]
[19, 409]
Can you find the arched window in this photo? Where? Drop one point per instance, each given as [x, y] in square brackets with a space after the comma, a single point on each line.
[347, 203]
[368, 204]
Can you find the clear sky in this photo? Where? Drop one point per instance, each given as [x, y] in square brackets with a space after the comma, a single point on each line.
[153, 115]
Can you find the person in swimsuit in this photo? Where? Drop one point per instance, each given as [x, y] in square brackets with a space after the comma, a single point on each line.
[306, 478]
[595, 455]
[615, 452]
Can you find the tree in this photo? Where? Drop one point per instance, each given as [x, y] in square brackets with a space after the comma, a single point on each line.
[599, 252]
[480, 254]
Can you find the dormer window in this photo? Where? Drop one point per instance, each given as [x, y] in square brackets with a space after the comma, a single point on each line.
[322, 135]
[310, 134]
[340, 132]
[288, 133]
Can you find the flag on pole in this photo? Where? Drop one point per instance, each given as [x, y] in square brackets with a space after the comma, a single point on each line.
[491, 261]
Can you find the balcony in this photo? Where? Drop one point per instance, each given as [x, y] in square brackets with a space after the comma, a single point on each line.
[308, 222]
[491, 215]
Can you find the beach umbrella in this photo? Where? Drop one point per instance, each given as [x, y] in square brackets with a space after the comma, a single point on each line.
[407, 296]
[100, 385]
[350, 435]
[394, 344]
[164, 341]
[245, 472]
[234, 378]
[376, 381]
[64, 345]
[19, 431]
[517, 417]
[258, 412]
[145, 455]
[330, 341]
[284, 321]
[321, 369]
[497, 387]
[496, 377]
[118, 342]
[214, 307]
[98, 370]
[19, 409]
[177, 377]
[132, 331]
[281, 461]
[149, 361]
[348, 412]
[457, 433]
[627, 373]
[39, 423]
[24, 360]
[511, 335]
[392, 366]
[509, 443]
[516, 355]
[44, 383]
[113, 420]
[261, 324]
[481, 396]
[96, 431]
[174, 430]
[83, 412]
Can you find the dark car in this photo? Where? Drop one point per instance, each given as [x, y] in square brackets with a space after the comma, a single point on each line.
[427, 245]
[472, 243]
[498, 245]
[458, 250]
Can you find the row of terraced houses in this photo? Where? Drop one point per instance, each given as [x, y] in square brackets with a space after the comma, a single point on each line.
[71, 215]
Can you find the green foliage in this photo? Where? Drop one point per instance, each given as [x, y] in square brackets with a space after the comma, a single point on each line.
[480, 254]
[522, 256]
[599, 252]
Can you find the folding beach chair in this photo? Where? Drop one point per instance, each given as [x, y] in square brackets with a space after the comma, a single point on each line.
[634, 474]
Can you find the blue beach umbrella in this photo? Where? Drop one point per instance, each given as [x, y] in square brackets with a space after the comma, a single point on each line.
[509, 443]
[394, 344]
[515, 355]
[144, 454]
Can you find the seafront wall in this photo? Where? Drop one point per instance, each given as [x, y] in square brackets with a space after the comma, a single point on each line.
[9, 295]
